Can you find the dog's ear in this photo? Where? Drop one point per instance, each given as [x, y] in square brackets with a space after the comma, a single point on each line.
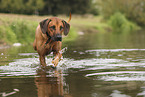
[66, 27]
[44, 25]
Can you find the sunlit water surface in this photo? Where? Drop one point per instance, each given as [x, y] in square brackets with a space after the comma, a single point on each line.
[94, 65]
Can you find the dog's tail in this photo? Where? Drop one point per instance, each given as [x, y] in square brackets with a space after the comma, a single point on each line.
[69, 17]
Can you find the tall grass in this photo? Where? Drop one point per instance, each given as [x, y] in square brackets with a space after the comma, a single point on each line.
[24, 30]
[18, 30]
[7, 35]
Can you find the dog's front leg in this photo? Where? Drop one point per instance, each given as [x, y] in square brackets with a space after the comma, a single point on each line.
[57, 53]
[57, 58]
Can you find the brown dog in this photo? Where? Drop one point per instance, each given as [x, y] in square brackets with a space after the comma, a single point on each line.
[48, 37]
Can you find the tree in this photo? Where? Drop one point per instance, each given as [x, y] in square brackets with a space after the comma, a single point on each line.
[47, 7]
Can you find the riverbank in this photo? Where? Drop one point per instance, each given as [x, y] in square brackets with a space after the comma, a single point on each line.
[21, 28]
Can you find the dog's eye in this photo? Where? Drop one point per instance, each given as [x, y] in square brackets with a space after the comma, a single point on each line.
[52, 27]
[61, 28]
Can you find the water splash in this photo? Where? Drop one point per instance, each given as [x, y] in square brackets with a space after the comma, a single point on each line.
[106, 69]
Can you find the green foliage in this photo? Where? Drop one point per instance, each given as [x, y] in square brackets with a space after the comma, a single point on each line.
[2, 32]
[43, 7]
[10, 36]
[7, 35]
[21, 6]
[32, 6]
[119, 23]
[134, 10]
[25, 30]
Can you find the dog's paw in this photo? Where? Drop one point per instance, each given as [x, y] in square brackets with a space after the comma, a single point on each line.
[53, 67]
[55, 62]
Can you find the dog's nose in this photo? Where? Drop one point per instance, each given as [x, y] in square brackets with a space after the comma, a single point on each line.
[58, 37]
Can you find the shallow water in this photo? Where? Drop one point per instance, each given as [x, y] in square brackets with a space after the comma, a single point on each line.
[94, 65]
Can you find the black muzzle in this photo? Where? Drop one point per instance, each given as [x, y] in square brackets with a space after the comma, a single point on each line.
[56, 37]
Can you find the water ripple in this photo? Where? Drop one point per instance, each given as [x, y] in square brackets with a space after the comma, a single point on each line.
[114, 50]
[107, 69]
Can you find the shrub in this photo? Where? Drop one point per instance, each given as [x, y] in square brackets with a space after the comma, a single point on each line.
[119, 23]
[132, 9]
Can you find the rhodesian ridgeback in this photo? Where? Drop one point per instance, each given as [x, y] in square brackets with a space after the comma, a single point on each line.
[48, 38]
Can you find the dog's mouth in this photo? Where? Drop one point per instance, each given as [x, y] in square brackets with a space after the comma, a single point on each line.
[56, 37]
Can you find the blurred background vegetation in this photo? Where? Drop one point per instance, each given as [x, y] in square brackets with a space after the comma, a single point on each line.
[119, 16]
[133, 10]
[46, 7]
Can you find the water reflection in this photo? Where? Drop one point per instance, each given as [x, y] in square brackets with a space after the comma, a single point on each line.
[50, 83]
[119, 89]
[4, 94]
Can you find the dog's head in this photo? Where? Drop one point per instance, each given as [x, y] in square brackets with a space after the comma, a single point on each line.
[54, 27]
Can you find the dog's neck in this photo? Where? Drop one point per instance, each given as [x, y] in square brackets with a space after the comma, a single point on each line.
[49, 37]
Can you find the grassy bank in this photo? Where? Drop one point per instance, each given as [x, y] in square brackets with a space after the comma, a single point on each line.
[17, 28]
[21, 28]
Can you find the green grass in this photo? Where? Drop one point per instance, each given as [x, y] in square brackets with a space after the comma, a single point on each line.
[87, 23]
[16, 29]
[24, 30]
[21, 28]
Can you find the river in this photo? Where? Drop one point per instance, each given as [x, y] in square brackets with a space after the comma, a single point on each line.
[94, 65]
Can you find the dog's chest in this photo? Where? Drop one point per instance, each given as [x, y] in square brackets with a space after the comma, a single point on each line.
[48, 50]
